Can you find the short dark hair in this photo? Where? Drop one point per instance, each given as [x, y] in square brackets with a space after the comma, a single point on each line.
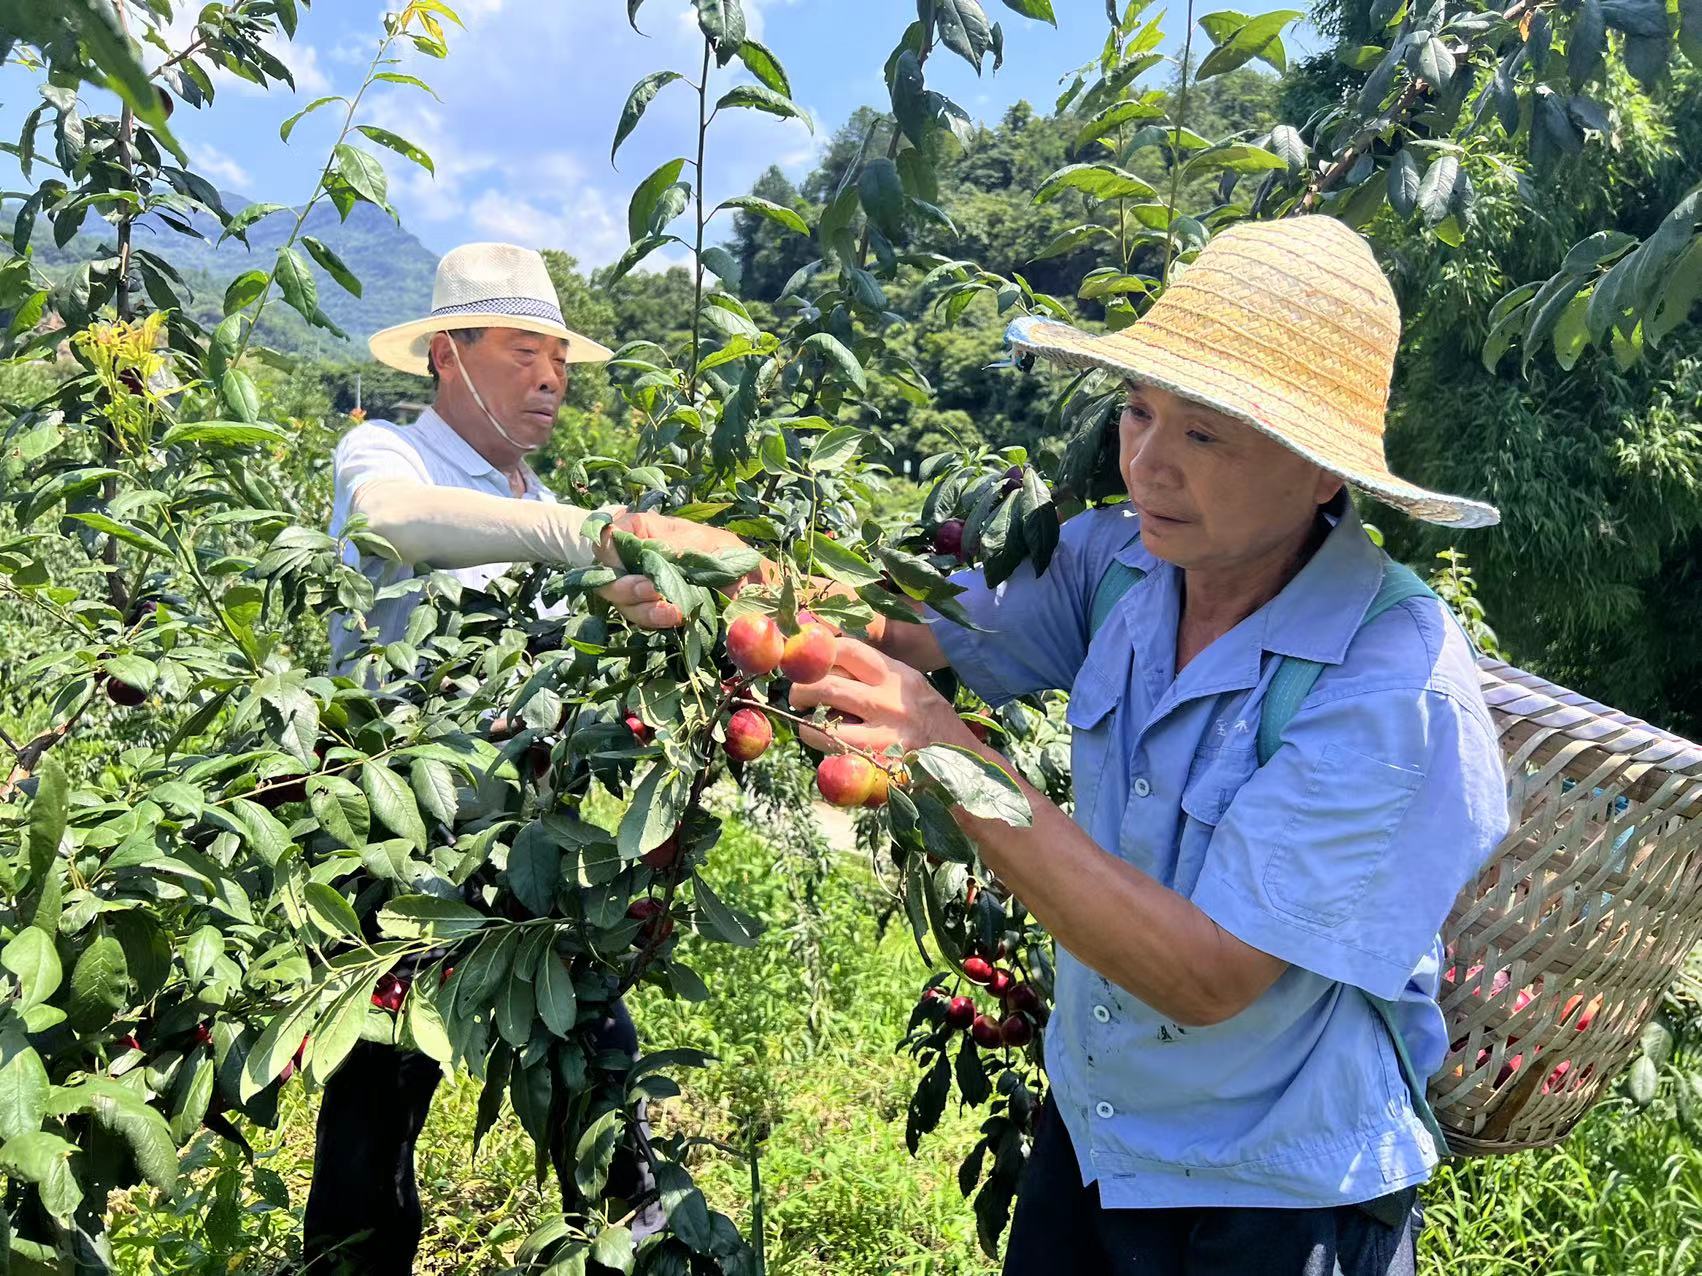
[466, 336]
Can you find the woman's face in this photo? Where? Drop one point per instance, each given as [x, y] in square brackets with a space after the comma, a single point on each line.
[1212, 492]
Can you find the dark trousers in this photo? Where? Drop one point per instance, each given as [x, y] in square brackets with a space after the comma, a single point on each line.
[1061, 1229]
[363, 1206]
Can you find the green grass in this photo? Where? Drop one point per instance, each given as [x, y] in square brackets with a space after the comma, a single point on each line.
[813, 1077]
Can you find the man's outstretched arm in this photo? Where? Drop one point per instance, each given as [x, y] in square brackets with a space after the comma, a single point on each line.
[450, 527]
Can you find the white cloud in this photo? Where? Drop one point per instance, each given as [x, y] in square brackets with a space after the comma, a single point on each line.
[224, 170]
[530, 97]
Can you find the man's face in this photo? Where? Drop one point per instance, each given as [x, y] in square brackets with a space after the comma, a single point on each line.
[1212, 491]
[521, 376]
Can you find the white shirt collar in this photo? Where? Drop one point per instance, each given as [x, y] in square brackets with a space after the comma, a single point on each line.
[464, 455]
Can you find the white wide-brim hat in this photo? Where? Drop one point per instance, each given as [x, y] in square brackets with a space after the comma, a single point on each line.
[485, 286]
[1289, 326]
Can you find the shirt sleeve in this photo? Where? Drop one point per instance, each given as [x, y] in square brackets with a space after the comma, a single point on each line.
[1032, 630]
[370, 452]
[1343, 854]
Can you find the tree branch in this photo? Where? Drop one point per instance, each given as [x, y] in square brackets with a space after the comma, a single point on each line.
[1343, 164]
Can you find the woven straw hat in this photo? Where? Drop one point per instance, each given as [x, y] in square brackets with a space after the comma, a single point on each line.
[1287, 325]
[485, 286]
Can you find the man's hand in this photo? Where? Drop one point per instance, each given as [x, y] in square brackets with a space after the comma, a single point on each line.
[678, 533]
[636, 599]
[885, 704]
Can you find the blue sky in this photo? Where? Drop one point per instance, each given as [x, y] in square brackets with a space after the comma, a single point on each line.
[532, 90]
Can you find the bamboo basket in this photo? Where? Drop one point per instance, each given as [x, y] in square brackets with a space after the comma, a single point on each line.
[1559, 952]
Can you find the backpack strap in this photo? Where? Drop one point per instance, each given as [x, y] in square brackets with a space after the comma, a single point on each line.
[1119, 579]
[1295, 678]
[1293, 681]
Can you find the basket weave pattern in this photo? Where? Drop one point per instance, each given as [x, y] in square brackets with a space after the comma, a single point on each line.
[1584, 915]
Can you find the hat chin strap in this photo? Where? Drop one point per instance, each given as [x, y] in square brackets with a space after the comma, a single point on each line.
[479, 399]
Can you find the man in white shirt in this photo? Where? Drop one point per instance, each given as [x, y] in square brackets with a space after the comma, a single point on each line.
[451, 492]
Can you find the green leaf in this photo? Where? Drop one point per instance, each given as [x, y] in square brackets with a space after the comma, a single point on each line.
[288, 125]
[534, 868]
[401, 145]
[1642, 1081]
[834, 450]
[45, 1160]
[1287, 143]
[332, 264]
[296, 281]
[723, 24]
[427, 916]
[230, 433]
[240, 396]
[637, 102]
[1690, 30]
[396, 77]
[759, 97]
[23, 1093]
[328, 910]
[1114, 117]
[1040, 10]
[1433, 62]
[721, 922]
[1098, 181]
[48, 815]
[595, 1150]
[515, 1009]
[767, 208]
[639, 213]
[557, 1005]
[1586, 43]
[762, 63]
[277, 1044]
[964, 29]
[1436, 190]
[33, 958]
[686, 1210]
[724, 266]
[977, 785]
[120, 1110]
[1404, 180]
[425, 1025]
[341, 810]
[1259, 37]
[1239, 157]
[245, 290]
[100, 984]
[612, 1250]
[830, 348]
[657, 805]
[393, 802]
[635, 254]
[435, 788]
[363, 174]
[882, 193]
[842, 562]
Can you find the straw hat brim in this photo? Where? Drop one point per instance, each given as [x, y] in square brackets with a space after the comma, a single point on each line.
[405, 346]
[1132, 355]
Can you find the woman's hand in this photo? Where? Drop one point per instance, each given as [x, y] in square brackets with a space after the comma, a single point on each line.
[884, 704]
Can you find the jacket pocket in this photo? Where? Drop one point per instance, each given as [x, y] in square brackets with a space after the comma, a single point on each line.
[1214, 778]
[1342, 827]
